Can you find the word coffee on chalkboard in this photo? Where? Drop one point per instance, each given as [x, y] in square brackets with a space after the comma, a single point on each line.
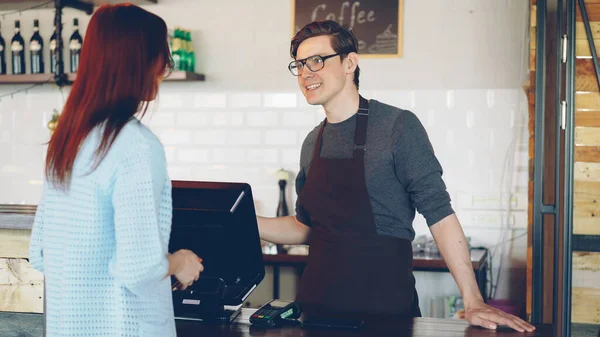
[377, 24]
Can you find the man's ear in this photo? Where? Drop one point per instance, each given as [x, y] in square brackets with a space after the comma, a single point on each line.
[351, 62]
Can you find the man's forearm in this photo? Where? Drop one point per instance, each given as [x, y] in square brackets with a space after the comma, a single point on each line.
[285, 230]
[452, 243]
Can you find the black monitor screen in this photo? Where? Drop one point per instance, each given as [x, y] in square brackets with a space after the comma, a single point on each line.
[217, 221]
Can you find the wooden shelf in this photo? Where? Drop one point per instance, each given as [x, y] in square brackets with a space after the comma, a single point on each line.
[185, 76]
[176, 76]
[14, 5]
[25, 79]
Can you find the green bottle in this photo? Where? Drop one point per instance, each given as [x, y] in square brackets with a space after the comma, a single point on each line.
[176, 51]
[183, 53]
[191, 55]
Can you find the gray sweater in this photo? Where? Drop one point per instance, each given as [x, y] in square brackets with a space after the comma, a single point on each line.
[402, 172]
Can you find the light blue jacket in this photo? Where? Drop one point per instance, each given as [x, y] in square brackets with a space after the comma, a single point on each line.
[103, 246]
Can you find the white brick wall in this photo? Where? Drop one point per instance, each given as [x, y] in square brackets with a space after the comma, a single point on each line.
[471, 131]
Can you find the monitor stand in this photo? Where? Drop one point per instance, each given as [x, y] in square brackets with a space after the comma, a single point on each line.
[205, 304]
[224, 317]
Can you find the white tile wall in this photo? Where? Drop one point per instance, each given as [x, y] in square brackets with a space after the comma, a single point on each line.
[460, 74]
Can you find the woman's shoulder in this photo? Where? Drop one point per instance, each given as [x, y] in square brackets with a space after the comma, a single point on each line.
[138, 133]
[135, 141]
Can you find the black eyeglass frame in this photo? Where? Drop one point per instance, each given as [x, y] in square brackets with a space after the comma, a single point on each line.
[303, 62]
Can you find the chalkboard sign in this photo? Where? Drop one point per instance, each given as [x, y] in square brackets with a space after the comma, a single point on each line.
[377, 24]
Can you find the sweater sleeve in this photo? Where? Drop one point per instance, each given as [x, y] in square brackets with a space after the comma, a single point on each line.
[140, 262]
[36, 251]
[419, 170]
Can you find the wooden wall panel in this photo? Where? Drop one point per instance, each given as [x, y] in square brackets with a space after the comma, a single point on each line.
[580, 33]
[21, 287]
[587, 136]
[593, 11]
[15, 243]
[587, 153]
[582, 48]
[586, 206]
[586, 101]
[531, 112]
[586, 198]
[585, 75]
[586, 288]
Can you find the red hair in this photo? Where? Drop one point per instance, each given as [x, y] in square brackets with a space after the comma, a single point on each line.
[124, 51]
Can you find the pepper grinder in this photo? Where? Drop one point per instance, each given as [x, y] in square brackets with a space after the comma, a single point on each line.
[282, 208]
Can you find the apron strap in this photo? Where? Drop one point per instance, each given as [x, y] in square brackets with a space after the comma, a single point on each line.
[360, 135]
[362, 121]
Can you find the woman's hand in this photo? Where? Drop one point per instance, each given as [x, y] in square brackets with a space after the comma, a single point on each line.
[188, 267]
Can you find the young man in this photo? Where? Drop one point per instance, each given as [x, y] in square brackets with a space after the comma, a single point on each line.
[364, 171]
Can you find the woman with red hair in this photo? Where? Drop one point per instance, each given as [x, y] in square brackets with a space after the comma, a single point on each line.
[102, 227]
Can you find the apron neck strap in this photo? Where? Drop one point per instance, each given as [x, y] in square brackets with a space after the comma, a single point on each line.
[360, 135]
[362, 121]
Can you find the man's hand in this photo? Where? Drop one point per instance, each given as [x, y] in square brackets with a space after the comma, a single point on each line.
[451, 241]
[489, 317]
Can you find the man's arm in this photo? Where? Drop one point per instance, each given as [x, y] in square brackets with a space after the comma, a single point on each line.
[285, 230]
[452, 243]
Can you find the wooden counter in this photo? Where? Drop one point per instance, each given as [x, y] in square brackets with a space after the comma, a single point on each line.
[421, 327]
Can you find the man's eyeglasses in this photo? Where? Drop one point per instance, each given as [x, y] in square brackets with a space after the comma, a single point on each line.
[314, 63]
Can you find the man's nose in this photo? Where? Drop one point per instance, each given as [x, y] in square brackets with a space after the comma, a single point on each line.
[306, 73]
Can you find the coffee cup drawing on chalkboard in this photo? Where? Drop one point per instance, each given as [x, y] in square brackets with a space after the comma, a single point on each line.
[385, 43]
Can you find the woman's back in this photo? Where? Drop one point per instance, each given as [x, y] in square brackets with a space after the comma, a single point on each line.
[103, 244]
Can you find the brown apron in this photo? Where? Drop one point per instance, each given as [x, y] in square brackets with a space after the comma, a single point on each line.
[351, 270]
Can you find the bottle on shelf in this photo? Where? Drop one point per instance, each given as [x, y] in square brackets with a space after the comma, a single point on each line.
[17, 47]
[36, 49]
[75, 44]
[191, 57]
[176, 50]
[2, 56]
[183, 53]
[53, 53]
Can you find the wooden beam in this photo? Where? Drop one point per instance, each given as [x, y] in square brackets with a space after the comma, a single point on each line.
[593, 11]
[586, 288]
[587, 171]
[580, 33]
[587, 136]
[590, 154]
[585, 76]
[586, 207]
[587, 118]
[582, 48]
[587, 101]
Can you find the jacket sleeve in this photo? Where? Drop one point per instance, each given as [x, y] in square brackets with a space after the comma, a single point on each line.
[140, 261]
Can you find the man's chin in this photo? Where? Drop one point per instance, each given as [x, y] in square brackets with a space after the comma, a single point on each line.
[313, 100]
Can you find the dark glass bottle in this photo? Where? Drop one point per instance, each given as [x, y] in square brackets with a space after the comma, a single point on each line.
[53, 53]
[36, 50]
[17, 47]
[2, 56]
[282, 208]
[75, 44]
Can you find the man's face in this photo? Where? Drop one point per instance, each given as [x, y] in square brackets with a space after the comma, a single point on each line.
[320, 86]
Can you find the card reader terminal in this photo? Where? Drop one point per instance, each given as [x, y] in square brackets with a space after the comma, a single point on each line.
[276, 313]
